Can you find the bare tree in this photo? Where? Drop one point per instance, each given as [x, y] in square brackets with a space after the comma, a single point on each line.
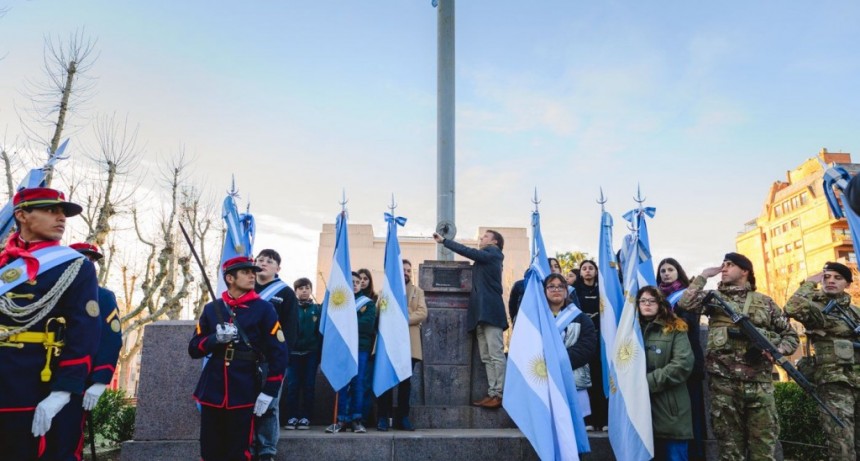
[117, 159]
[65, 89]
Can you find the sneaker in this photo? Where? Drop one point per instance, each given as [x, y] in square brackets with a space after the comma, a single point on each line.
[358, 428]
[605, 429]
[303, 424]
[589, 428]
[336, 427]
[382, 425]
[291, 424]
[405, 425]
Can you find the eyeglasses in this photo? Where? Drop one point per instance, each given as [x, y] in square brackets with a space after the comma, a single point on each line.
[647, 301]
[555, 288]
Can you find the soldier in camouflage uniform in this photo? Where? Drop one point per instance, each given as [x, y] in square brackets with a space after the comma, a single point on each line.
[836, 365]
[743, 410]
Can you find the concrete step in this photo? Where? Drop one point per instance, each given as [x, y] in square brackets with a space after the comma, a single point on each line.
[421, 445]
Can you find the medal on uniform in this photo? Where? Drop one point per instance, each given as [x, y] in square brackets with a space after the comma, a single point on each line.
[10, 275]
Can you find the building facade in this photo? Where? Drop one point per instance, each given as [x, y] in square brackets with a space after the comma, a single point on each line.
[796, 233]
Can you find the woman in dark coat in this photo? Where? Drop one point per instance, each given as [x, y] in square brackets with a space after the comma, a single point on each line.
[588, 297]
[673, 281]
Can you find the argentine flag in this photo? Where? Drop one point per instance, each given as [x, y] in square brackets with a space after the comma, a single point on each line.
[538, 250]
[338, 322]
[631, 433]
[540, 392]
[637, 218]
[393, 351]
[35, 178]
[239, 236]
[839, 177]
[611, 295]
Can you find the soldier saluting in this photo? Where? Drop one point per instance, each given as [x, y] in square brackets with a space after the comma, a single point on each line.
[240, 330]
[49, 330]
[836, 370]
[743, 409]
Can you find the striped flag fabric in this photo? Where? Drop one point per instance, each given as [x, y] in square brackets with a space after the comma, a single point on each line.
[338, 322]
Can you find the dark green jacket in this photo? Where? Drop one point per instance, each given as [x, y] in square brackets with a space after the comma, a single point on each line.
[669, 360]
[309, 337]
[366, 326]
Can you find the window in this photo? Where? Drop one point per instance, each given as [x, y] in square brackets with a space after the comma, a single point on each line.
[777, 211]
[795, 202]
[798, 243]
[786, 208]
[804, 198]
[795, 222]
[848, 255]
[785, 227]
[776, 231]
[787, 248]
[780, 251]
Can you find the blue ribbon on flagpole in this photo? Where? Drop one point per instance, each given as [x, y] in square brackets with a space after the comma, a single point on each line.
[831, 178]
[400, 220]
[648, 211]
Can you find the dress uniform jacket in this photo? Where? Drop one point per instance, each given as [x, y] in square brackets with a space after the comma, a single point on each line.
[232, 383]
[110, 344]
[22, 370]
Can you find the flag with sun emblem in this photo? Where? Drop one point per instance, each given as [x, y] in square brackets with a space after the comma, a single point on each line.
[540, 392]
[338, 322]
[611, 295]
[393, 354]
[37, 177]
[631, 433]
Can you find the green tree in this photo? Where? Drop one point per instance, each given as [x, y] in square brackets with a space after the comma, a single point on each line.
[570, 260]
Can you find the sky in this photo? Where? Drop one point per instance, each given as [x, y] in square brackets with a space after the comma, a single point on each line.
[701, 105]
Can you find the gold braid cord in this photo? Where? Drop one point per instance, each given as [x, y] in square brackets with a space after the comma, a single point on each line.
[37, 310]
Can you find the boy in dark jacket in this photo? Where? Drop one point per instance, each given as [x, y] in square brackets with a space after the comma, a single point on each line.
[304, 359]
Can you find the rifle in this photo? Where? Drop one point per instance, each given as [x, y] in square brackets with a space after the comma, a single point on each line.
[202, 271]
[758, 340]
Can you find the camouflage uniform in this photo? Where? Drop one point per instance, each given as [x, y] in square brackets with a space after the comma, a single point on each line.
[743, 410]
[836, 369]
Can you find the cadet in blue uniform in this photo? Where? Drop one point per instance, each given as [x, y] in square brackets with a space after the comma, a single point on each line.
[104, 363]
[49, 330]
[240, 330]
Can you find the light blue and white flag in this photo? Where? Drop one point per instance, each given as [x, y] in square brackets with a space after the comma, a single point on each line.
[631, 433]
[37, 177]
[239, 235]
[393, 352]
[338, 322]
[637, 218]
[540, 392]
[838, 176]
[538, 250]
[611, 295]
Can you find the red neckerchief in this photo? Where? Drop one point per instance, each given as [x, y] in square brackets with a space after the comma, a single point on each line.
[16, 248]
[240, 302]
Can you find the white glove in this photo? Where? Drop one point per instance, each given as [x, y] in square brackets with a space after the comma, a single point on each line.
[225, 332]
[92, 395]
[263, 401]
[47, 409]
